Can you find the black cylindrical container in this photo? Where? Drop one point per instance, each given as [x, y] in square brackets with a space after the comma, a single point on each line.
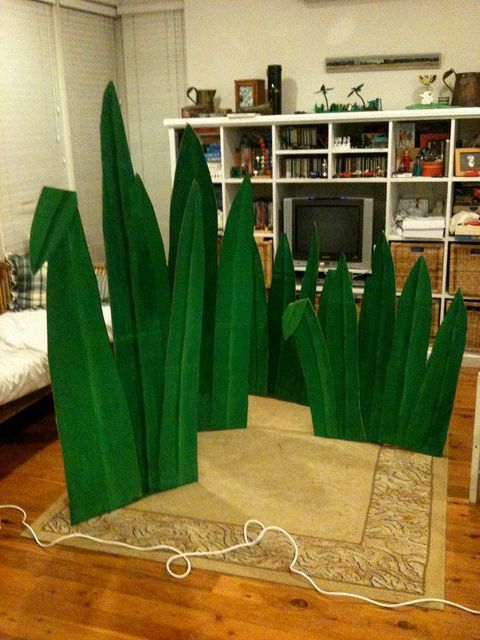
[274, 80]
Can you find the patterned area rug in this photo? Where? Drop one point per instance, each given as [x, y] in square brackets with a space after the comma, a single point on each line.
[367, 519]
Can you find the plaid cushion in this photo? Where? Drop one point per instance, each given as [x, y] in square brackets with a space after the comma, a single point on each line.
[28, 291]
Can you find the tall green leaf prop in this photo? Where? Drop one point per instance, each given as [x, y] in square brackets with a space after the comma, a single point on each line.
[290, 384]
[408, 357]
[375, 334]
[342, 344]
[191, 165]
[178, 440]
[299, 321]
[323, 303]
[233, 315]
[99, 452]
[282, 293]
[258, 379]
[151, 298]
[428, 426]
[118, 186]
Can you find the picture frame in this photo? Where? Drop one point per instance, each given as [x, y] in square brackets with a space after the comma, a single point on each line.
[467, 162]
[249, 94]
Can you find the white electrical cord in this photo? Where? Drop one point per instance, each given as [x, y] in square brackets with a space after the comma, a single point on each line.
[186, 555]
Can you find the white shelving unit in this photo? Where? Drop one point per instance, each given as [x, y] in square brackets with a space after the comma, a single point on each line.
[460, 124]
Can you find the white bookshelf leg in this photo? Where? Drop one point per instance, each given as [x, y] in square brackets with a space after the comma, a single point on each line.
[475, 469]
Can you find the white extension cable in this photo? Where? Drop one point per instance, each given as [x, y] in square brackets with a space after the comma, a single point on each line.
[186, 555]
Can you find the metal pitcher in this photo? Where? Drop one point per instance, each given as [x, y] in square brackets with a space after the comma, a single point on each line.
[203, 98]
[466, 91]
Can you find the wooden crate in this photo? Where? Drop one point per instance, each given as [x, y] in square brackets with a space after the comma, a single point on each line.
[405, 254]
[464, 269]
[473, 326]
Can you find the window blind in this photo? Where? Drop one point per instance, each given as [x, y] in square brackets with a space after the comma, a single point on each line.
[154, 51]
[32, 152]
[89, 64]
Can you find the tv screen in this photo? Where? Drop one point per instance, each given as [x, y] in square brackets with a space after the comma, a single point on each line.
[344, 228]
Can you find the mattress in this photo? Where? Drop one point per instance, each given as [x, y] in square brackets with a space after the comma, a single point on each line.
[24, 352]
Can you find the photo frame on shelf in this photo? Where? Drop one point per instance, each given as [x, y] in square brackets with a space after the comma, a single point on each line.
[249, 94]
[467, 162]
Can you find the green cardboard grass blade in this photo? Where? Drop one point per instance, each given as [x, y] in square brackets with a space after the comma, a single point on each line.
[151, 298]
[290, 384]
[282, 293]
[191, 165]
[300, 322]
[408, 356]
[310, 277]
[99, 453]
[323, 302]
[233, 316]
[258, 379]
[118, 184]
[375, 334]
[342, 343]
[428, 426]
[178, 437]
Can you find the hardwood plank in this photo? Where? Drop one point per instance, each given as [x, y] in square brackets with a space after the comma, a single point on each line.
[71, 593]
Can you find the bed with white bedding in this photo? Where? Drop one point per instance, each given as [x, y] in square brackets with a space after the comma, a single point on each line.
[24, 370]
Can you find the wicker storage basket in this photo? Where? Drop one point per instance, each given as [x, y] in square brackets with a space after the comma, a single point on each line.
[464, 269]
[435, 319]
[405, 254]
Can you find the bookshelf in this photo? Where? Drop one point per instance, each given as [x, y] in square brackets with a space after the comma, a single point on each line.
[404, 160]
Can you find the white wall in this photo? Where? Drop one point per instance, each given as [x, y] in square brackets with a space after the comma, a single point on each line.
[231, 39]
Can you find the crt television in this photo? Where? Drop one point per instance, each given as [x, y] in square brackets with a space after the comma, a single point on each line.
[345, 226]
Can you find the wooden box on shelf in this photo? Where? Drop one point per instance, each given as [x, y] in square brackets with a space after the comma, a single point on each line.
[473, 326]
[464, 269]
[405, 254]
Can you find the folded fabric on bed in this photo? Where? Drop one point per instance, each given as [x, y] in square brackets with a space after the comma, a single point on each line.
[22, 371]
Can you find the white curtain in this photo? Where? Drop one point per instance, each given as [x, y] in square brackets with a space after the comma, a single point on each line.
[32, 143]
[155, 77]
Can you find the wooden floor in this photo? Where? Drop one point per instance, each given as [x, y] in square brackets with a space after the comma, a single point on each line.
[71, 594]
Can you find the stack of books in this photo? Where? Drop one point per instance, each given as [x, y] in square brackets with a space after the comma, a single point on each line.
[424, 227]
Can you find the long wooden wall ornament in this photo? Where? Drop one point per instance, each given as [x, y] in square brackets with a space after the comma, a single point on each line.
[99, 452]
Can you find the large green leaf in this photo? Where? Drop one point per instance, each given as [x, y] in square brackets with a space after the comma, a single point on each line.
[151, 298]
[191, 165]
[310, 277]
[282, 293]
[178, 438]
[406, 366]
[258, 379]
[233, 316]
[341, 339]
[324, 296]
[290, 384]
[118, 185]
[375, 334]
[99, 453]
[299, 321]
[428, 426]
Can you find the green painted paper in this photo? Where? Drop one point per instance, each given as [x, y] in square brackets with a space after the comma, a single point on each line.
[323, 302]
[375, 334]
[290, 384]
[151, 299]
[428, 426]
[233, 315]
[258, 378]
[191, 165]
[178, 437]
[118, 185]
[282, 293]
[99, 453]
[408, 357]
[342, 344]
[299, 321]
